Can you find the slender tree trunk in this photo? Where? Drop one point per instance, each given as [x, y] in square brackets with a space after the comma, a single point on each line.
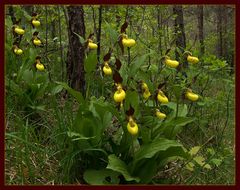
[200, 29]
[159, 32]
[166, 36]
[219, 31]
[60, 40]
[75, 54]
[179, 29]
[94, 20]
[224, 30]
[46, 41]
[53, 29]
[46, 31]
[223, 45]
[28, 9]
[99, 33]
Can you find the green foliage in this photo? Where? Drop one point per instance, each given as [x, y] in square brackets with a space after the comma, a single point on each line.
[71, 91]
[90, 62]
[158, 145]
[101, 177]
[84, 137]
[118, 165]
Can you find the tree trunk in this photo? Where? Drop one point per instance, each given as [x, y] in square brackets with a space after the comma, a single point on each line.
[200, 29]
[159, 30]
[75, 54]
[219, 31]
[53, 29]
[179, 30]
[224, 30]
[99, 33]
[28, 9]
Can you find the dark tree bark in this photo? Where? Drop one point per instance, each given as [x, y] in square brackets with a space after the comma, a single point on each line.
[219, 30]
[53, 29]
[60, 40]
[159, 28]
[200, 29]
[224, 49]
[166, 35]
[99, 33]
[224, 30]
[28, 9]
[179, 29]
[75, 54]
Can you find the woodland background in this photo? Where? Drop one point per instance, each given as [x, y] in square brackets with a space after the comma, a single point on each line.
[41, 109]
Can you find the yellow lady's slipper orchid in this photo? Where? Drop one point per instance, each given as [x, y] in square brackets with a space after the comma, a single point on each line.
[192, 59]
[92, 45]
[171, 63]
[160, 115]
[18, 51]
[19, 31]
[40, 66]
[191, 96]
[106, 69]
[119, 95]
[37, 42]
[144, 86]
[36, 23]
[146, 94]
[162, 98]
[128, 42]
[132, 127]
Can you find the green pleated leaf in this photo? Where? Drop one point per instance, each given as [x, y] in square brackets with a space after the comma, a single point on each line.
[118, 165]
[101, 177]
[151, 149]
[133, 100]
[138, 63]
[90, 62]
[73, 92]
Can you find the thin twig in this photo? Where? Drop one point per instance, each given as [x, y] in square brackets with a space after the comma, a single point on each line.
[126, 15]
[46, 34]
[99, 33]
[94, 20]
[226, 122]
[46, 41]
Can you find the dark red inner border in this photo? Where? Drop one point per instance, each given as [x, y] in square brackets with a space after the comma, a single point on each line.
[2, 102]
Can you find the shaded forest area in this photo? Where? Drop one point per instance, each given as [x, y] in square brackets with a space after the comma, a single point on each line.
[101, 94]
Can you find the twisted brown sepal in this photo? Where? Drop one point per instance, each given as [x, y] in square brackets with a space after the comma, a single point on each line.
[38, 58]
[124, 27]
[168, 50]
[107, 56]
[117, 77]
[130, 111]
[35, 33]
[120, 43]
[161, 85]
[118, 64]
[90, 36]
[18, 21]
[34, 14]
